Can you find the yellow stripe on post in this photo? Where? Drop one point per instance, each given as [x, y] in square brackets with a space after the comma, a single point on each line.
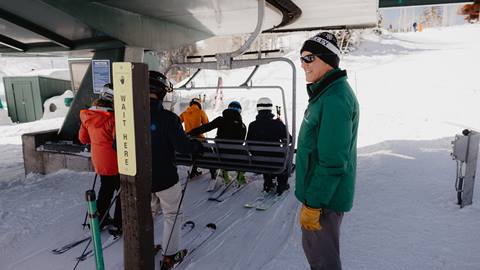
[124, 123]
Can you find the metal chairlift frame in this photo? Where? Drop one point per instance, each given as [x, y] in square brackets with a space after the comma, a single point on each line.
[230, 159]
[248, 146]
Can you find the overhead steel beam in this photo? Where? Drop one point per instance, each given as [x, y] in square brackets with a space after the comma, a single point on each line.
[266, 52]
[12, 43]
[82, 44]
[332, 27]
[35, 28]
[133, 29]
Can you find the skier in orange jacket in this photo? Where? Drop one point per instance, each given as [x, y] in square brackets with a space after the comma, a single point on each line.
[192, 118]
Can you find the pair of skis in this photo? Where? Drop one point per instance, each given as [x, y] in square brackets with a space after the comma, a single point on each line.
[187, 227]
[112, 239]
[72, 244]
[227, 191]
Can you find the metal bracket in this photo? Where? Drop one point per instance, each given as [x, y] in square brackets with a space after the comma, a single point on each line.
[224, 60]
[191, 78]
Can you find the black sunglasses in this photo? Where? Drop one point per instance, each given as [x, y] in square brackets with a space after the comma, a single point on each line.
[307, 59]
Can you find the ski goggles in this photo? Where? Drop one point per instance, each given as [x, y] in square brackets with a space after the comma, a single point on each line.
[168, 86]
[307, 59]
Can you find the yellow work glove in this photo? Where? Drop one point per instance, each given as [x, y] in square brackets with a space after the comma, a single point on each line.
[310, 218]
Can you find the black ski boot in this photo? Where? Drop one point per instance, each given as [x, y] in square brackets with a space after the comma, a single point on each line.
[105, 224]
[213, 173]
[268, 186]
[194, 173]
[282, 188]
[115, 230]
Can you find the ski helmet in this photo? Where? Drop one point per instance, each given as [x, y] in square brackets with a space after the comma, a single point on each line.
[264, 103]
[196, 101]
[159, 84]
[107, 92]
[235, 105]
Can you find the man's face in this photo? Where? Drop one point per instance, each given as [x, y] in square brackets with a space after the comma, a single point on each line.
[314, 70]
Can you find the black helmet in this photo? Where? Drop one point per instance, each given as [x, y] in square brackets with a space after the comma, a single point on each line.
[159, 84]
[197, 102]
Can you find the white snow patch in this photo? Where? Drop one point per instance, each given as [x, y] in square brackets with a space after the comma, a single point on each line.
[55, 107]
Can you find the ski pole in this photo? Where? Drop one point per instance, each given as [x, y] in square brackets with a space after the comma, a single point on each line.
[95, 227]
[178, 210]
[86, 213]
[101, 221]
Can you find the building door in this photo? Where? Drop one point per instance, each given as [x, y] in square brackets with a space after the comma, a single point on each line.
[23, 95]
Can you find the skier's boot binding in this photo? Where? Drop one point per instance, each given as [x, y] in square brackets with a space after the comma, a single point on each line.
[226, 177]
[241, 180]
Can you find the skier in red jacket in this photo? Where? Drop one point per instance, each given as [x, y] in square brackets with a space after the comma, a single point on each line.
[98, 130]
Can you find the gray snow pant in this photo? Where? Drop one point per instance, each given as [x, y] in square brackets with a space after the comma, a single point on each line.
[168, 200]
[322, 248]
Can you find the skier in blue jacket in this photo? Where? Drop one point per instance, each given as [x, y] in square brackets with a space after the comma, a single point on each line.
[167, 136]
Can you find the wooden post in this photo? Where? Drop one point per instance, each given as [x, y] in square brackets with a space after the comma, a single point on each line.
[132, 117]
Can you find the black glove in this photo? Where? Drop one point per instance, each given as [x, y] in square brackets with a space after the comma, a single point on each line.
[197, 149]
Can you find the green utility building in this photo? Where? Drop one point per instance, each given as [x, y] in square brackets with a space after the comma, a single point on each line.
[25, 95]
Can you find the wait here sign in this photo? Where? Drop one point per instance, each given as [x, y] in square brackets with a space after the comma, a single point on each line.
[124, 125]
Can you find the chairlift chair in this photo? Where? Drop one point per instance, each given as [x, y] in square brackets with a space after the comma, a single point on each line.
[244, 155]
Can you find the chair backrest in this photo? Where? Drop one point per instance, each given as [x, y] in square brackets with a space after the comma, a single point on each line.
[239, 155]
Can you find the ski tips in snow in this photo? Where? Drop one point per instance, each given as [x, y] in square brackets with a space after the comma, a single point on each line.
[266, 204]
[188, 223]
[112, 239]
[69, 246]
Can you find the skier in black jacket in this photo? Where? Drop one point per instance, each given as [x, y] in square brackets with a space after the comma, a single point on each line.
[265, 128]
[229, 126]
[167, 136]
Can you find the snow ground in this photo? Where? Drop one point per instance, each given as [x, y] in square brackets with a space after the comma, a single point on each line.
[416, 90]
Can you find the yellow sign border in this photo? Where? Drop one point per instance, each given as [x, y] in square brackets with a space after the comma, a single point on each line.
[124, 118]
